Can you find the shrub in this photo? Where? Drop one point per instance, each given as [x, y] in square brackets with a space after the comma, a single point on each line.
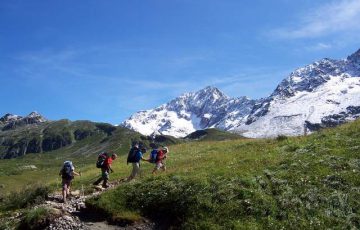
[281, 138]
[31, 195]
[106, 128]
[189, 203]
[38, 218]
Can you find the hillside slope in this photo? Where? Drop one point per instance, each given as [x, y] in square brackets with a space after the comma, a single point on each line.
[286, 183]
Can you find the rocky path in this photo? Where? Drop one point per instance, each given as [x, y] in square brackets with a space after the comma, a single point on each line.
[73, 215]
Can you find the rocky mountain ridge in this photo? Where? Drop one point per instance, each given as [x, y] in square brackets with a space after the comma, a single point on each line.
[11, 121]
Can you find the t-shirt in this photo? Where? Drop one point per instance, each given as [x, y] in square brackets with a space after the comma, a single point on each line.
[139, 155]
[160, 156]
[108, 162]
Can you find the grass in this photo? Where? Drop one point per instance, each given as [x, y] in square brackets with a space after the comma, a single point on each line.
[287, 183]
[308, 182]
[31, 195]
[88, 141]
[38, 218]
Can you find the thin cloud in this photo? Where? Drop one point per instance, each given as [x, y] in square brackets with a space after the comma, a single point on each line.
[157, 85]
[319, 46]
[337, 16]
[187, 60]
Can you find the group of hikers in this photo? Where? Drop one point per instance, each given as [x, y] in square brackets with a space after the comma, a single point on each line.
[105, 160]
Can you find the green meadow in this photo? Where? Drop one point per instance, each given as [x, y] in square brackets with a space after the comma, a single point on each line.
[310, 182]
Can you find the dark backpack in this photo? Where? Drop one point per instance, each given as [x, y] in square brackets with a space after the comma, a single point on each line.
[132, 156]
[67, 170]
[100, 163]
[153, 156]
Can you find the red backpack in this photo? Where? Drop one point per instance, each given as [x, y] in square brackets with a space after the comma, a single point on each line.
[160, 155]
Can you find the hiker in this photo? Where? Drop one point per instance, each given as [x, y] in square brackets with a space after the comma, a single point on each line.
[134, 157]
[159, 160]
[67, 173]
[105, 162]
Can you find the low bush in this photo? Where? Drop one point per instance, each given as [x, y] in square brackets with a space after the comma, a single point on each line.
[281, 138]
[191, 203]
[28, 196]
[38, 218]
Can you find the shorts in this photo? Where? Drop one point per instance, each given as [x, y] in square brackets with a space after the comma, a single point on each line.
[159, 165]
[66, 183]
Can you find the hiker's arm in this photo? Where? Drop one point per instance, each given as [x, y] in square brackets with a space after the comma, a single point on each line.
[142, 158]
[77, 174]
[110, 168]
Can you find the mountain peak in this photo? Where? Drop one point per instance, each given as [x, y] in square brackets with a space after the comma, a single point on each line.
[211, 91]
[355, 57]
[11, 121]
[9, 117]
[36, 117]
[34, 114]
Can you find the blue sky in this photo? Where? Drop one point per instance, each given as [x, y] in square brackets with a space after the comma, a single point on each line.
[105, 60]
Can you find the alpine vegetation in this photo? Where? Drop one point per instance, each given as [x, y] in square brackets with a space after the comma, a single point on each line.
[325, 93]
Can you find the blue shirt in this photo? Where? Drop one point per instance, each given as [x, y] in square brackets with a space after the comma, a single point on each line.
[139, 155]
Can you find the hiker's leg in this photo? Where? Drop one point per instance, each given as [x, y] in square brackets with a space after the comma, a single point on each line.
[64, 194]
[68, 188]
[64, 189]
[157, 167]
[134, 171]
[137, 168]
[105, 177]
[97, 182]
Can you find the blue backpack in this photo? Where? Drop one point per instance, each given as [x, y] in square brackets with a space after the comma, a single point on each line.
[67, 170]
[153, 155]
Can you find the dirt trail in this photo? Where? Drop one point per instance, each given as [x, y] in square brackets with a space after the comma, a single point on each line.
[74, 214]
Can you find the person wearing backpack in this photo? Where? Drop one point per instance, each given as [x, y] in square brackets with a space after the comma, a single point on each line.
[104, 162]
[153, 155]
[67, 173]
[134, 157]
[160, 159]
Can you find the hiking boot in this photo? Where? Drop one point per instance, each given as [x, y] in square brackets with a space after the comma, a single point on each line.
[105, 186]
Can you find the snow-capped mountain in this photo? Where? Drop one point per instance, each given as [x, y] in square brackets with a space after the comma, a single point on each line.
[11, 121]
[322, 94]
[190, 112]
